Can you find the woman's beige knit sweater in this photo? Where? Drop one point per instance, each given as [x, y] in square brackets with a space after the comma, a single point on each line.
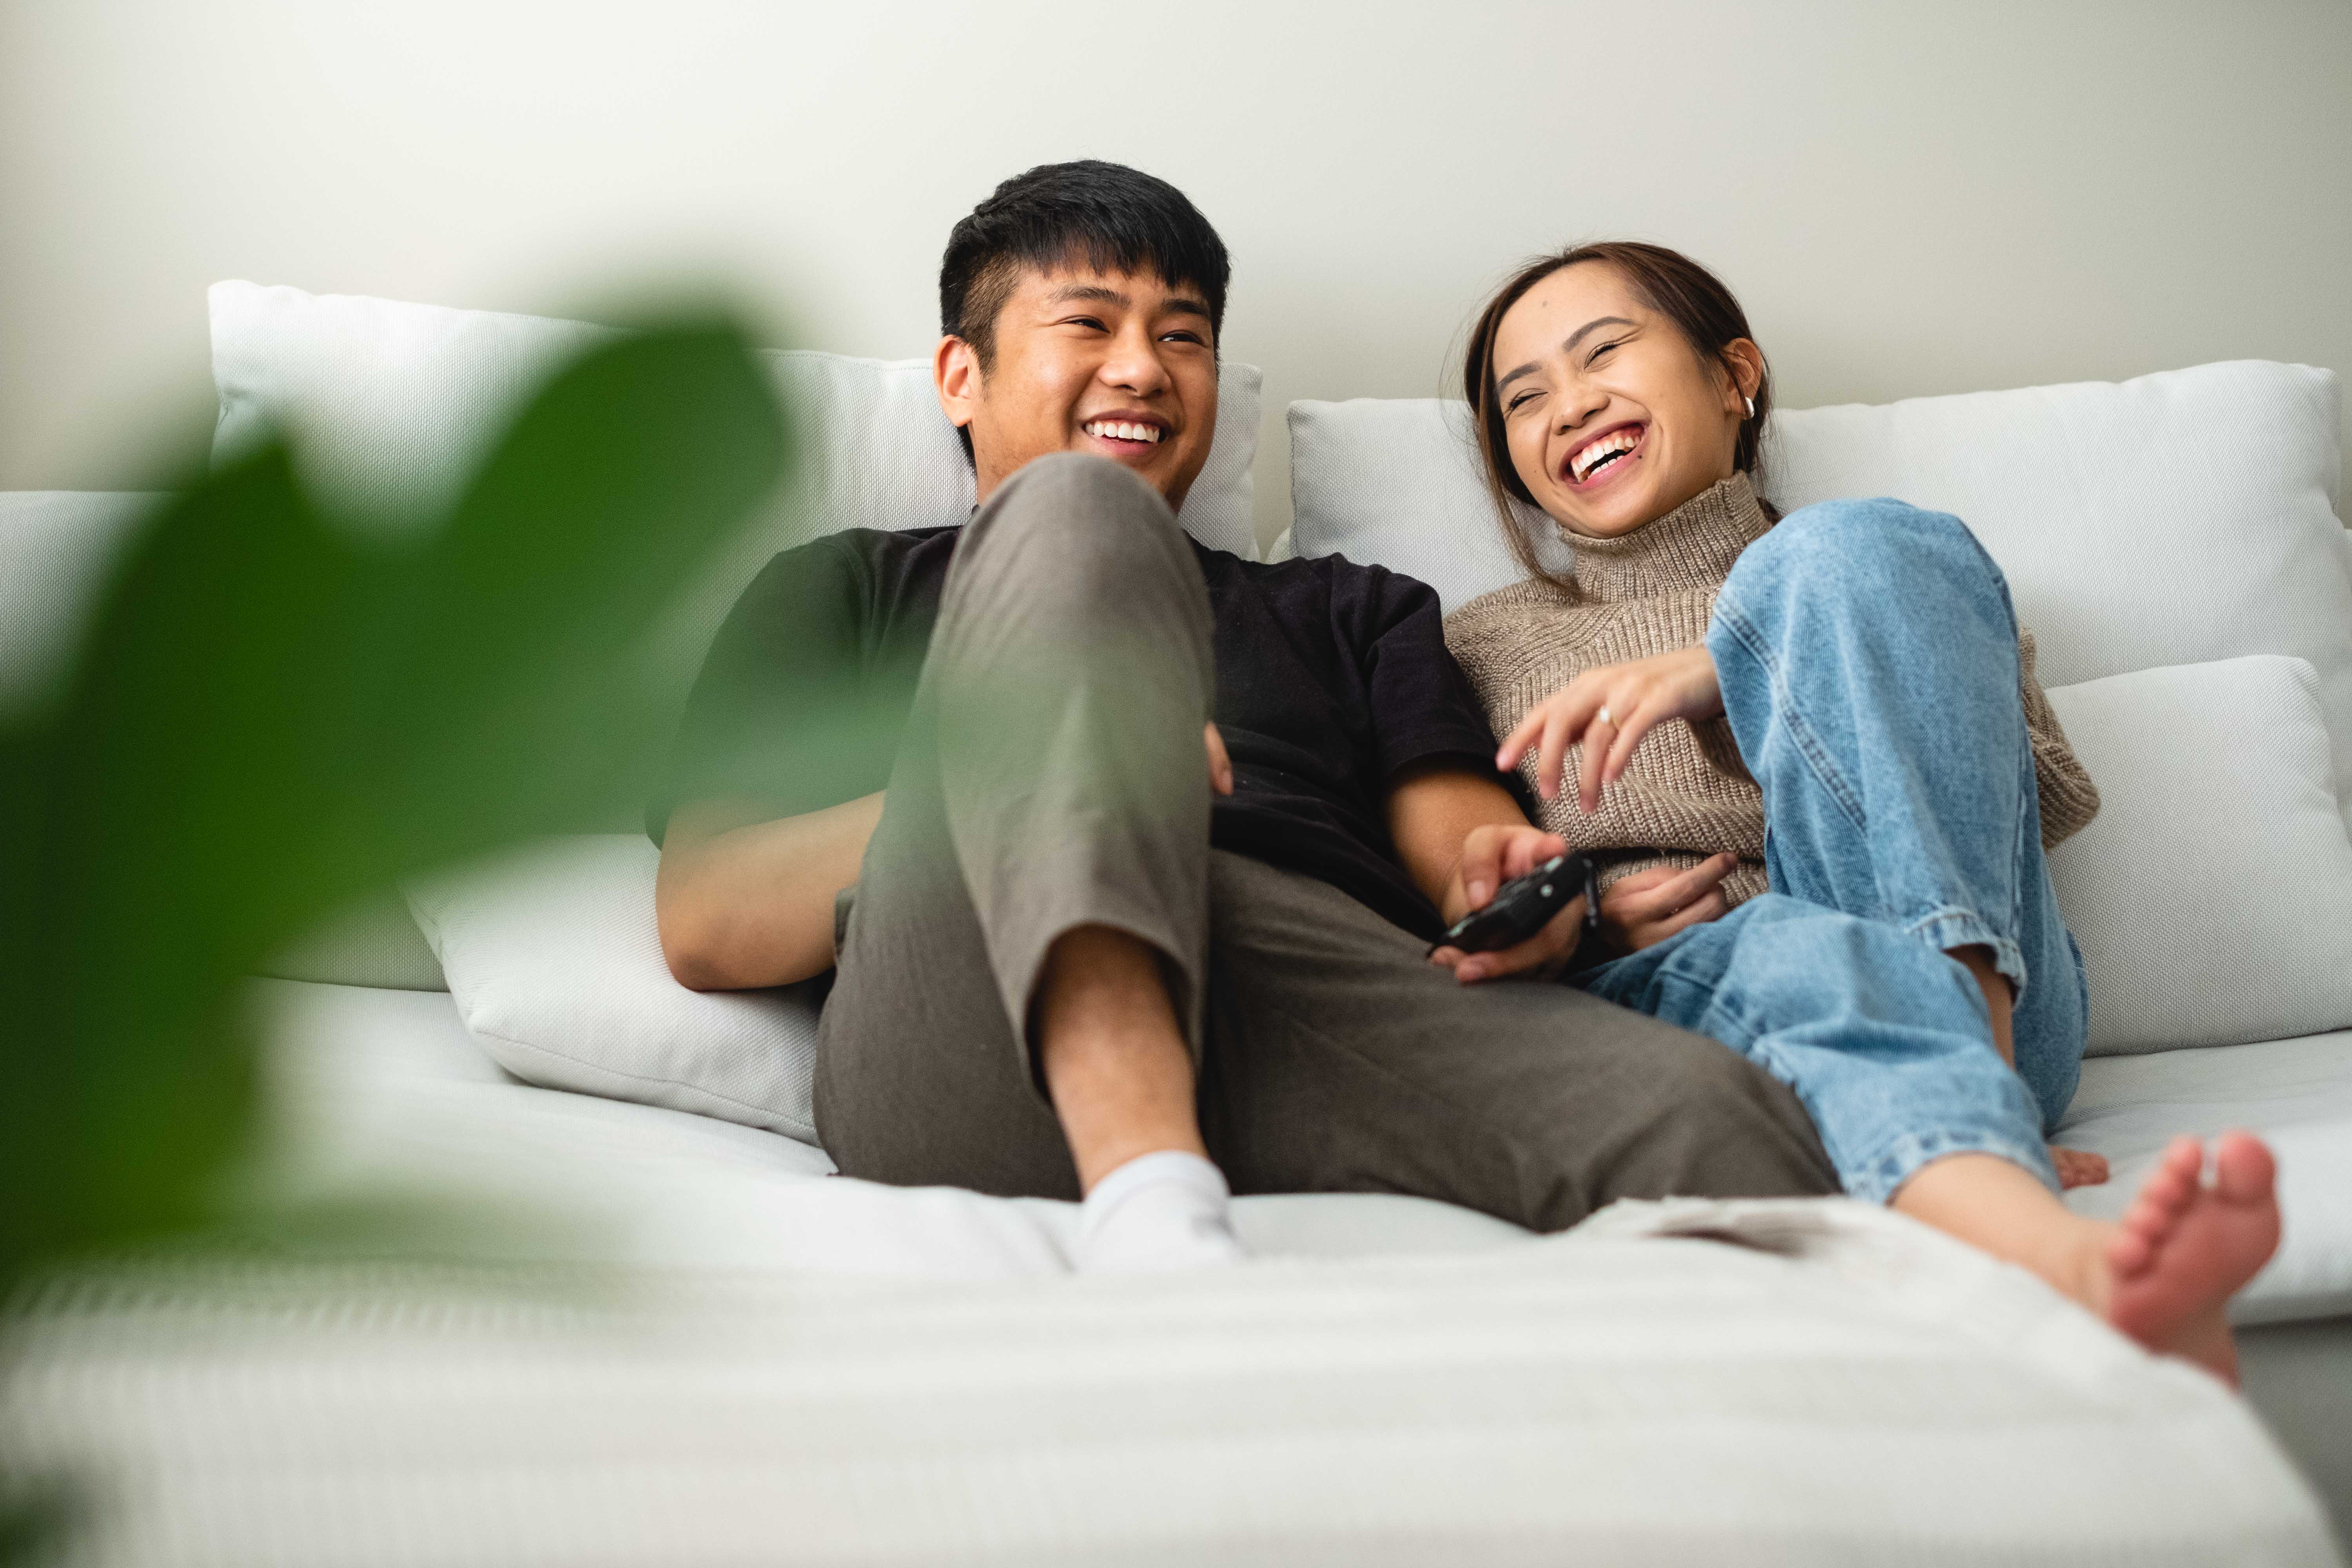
[1685, 795]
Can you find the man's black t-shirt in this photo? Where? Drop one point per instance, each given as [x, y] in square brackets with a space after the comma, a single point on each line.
[1331, 679]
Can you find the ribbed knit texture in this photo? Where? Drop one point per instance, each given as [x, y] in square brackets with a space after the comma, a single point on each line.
[1685, 795]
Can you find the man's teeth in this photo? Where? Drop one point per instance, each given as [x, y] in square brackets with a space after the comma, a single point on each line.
[1119, 430]
[1609, 446]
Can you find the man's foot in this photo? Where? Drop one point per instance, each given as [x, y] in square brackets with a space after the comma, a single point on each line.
[2184, 1248]
[1157, 1214]
[2078, 1167]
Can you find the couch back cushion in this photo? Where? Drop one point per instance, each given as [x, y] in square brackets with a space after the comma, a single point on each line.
[390, 405]
[389, 401]
[57, 548]
[2176, 518]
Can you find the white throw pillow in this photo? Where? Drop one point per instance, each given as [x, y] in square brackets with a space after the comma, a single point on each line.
[2213, 894]
[554, 962]
[391, 399]
[2174, 518]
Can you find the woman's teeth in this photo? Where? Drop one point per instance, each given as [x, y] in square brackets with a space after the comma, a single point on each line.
[1119, 430]
[1586, 461]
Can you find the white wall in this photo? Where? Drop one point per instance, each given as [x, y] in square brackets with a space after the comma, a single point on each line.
[1911, 198]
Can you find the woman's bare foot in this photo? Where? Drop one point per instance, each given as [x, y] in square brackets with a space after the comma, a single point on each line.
[2184, 1248]
[2078, 1167]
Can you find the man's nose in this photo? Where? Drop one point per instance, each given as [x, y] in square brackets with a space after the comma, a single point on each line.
[1134, 365]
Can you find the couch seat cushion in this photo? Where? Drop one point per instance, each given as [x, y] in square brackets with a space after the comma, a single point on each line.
[386, 1088]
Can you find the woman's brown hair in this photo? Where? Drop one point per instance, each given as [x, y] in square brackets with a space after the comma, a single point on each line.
[1694, 299]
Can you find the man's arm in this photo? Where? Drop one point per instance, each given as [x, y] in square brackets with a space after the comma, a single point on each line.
[741, 902]
[1460, 837]
[744, 900]
[1433, 811]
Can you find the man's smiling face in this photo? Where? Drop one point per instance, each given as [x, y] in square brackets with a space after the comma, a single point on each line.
[1120, 365]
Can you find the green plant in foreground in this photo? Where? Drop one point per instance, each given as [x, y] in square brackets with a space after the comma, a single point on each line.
[270, 718]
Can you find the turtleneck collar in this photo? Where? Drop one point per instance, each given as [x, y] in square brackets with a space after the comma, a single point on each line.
[1692, 546]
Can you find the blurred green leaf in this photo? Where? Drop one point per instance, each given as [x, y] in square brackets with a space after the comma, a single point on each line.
[39, 1517]
[272, 718]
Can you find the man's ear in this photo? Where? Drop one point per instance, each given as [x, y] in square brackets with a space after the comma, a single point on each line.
[955, 375]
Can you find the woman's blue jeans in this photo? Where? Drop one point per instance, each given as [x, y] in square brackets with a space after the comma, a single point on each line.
[1868, 657]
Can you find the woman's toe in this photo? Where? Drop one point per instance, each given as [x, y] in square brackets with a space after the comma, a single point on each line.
[2244, 1170]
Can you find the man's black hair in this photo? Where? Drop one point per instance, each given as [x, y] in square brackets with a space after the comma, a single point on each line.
[1104, 216]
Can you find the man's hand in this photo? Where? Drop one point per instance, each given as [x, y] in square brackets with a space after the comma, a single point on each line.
[1637, 697]
[1645, 908]
[1491, 856]
[1221, 766]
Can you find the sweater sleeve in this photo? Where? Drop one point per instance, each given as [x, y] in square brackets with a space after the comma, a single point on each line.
[2069, 798]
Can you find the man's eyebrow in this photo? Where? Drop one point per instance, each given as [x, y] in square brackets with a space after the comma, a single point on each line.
[1091, 293]
[1574, 338]
[1097, 294]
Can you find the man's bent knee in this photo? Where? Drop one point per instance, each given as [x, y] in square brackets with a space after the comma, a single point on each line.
[1075, 548]
[1087, 511]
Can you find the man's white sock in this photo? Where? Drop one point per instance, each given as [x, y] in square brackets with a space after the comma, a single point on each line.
[1156, 1213]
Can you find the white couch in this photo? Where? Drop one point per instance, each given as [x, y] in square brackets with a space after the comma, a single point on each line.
[1402, 1379]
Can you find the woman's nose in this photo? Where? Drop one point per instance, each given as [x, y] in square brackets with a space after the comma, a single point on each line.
[1576, 411]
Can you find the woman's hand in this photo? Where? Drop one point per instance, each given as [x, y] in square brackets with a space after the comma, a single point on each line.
[1492, 856]
[2078, 1167]
[1636, 697]
[1647, 907]
[1221, 766]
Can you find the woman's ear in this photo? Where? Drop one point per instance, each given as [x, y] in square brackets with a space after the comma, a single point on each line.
[1745, 362]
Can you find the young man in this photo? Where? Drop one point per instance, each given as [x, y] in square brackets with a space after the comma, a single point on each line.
[1128, 853]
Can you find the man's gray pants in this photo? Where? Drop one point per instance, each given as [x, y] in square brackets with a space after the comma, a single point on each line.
[1052, 775]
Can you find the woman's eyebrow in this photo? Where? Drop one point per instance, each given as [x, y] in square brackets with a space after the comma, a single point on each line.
[1527, 369]
[1574, 338]
[1591, 327]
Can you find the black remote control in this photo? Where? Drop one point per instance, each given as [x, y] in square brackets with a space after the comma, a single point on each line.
[1525, 905]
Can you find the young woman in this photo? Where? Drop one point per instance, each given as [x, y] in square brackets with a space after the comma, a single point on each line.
[1814, 758]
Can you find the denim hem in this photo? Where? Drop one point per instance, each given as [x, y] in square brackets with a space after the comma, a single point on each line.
[1951, 927]
[1878, 1181]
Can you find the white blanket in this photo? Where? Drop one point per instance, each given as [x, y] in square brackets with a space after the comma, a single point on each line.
[693, 1348]
[1847, 1388]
